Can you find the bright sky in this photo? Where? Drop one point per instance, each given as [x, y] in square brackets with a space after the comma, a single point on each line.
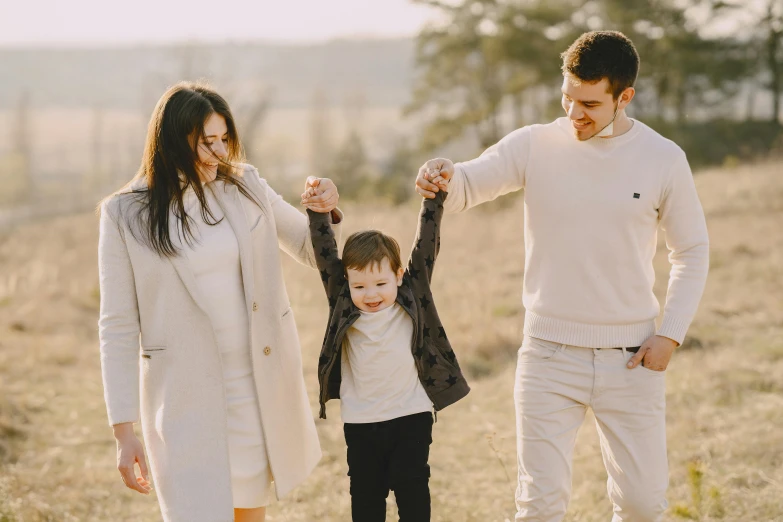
[122, 22]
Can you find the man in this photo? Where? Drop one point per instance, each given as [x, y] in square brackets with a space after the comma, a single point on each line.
[597, 185]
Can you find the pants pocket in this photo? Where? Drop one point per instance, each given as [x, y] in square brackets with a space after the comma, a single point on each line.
[536, 350]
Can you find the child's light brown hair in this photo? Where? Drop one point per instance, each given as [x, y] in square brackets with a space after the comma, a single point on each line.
[370, 248]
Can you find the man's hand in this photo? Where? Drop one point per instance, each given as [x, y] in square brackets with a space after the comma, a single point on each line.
[655, 352]
[320, 195]
[434, 176]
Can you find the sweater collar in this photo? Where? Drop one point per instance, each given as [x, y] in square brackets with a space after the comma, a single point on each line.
[602, 145]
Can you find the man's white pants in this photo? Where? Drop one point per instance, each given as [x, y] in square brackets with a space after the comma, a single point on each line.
[555, 384]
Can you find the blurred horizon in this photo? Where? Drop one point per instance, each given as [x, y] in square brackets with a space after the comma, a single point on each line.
[38, 24]
[359, 91]
[90, 23]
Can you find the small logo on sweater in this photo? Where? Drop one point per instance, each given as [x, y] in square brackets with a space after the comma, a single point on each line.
[635, 195]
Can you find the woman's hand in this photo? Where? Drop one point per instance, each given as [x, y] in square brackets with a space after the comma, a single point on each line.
[320, 195]
[129, 453]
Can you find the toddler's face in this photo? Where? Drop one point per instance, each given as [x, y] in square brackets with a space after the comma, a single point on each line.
[375, 287]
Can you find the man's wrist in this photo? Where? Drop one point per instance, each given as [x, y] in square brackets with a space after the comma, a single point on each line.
[674, 342]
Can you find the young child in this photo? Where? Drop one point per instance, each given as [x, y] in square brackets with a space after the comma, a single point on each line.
[387, 358]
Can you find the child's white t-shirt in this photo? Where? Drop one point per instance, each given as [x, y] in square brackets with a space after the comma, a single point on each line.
[380, 381]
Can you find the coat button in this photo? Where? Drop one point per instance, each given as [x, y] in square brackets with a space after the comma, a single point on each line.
[255, 306]
[267, 350]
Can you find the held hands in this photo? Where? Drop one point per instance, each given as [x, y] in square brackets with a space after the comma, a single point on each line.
[655, 352]
[129, 453]
[320, 195]
[434, 176]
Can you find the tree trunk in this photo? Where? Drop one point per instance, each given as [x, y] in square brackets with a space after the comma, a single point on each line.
[773, 47]
[22, 144]
[518, 99]
[750, 102]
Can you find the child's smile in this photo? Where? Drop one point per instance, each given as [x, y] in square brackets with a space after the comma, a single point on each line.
[375, 287]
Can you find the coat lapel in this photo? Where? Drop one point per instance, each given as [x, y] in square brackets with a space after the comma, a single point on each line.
[231, 203]
[182, 265]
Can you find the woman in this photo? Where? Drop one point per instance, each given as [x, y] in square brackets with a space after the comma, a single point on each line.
[193, 299]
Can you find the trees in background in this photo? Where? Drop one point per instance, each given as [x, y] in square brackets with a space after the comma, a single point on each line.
[762, 24]
[350, 168]
[16, 166]
[493, 65]
[251, 116]
[711, 79]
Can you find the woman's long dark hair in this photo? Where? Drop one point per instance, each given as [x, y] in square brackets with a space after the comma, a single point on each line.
[168, 166]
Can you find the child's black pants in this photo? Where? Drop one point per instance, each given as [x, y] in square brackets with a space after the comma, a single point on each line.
[390, 455]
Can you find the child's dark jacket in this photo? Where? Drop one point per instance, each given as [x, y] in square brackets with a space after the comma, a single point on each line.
[436, 363]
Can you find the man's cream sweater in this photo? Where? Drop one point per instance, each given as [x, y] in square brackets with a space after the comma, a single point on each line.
[592, 211]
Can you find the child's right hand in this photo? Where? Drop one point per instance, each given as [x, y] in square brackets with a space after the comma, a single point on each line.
[434, 176]
[441, 182]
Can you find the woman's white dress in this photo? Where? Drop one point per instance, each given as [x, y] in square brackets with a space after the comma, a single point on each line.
[214, 259]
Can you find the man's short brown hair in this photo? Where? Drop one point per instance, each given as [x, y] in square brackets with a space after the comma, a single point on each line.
[370, 248]
[603, 54]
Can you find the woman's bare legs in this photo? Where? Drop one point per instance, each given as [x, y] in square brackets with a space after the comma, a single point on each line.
[249, 515]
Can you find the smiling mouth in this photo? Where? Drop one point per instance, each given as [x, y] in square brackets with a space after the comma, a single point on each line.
[580, 126]
[373, 305]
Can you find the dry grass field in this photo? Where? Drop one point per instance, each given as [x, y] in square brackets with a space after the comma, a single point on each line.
[725, 386]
